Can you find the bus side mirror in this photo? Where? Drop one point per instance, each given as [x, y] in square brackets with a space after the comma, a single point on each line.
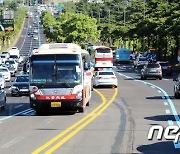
[86, 66]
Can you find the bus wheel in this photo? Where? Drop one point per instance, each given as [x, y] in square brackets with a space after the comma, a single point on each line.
[81, 109]
[87, 103]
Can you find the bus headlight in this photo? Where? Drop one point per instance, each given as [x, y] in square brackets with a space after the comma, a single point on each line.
[79, 95]
[32, 96]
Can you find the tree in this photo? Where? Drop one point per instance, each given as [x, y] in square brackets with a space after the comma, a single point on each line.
[76, 28]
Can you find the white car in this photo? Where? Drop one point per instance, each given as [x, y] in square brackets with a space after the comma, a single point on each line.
[35, 37]
[4, 57]
[35, 31]
[2, 81]
[6, 73]
[12, 62]
[105, 78]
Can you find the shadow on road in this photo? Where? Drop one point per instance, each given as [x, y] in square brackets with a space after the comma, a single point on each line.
[160, 97]
[159, 148]
[161, 118]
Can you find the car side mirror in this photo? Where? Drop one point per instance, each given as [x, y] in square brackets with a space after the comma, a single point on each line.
[175, 79]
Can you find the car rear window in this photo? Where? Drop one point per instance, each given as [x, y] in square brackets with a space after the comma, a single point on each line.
[153, 66]
[106, 73]
[142, 59]
[163, 64]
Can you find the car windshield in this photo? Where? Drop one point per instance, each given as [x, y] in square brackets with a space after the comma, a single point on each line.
[3, 70]
[22, 79]
[9, 62]
[163, 64]
[57, 73]
[106, 73]
[13, 56]
[153, 66]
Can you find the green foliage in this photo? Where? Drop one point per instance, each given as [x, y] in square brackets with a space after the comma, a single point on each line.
[8, 36]
[70, 27]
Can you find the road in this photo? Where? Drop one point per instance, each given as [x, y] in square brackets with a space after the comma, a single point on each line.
[117, 120]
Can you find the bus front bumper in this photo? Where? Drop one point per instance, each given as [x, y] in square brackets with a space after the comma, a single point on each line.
[39, 104]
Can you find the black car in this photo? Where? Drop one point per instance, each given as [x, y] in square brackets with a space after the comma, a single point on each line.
[166, 68]
[177, 87]
[2, 98]
[21, 85]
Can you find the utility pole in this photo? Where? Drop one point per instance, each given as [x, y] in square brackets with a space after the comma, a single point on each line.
[99, 18]
[144, 5]
[109, 16]
[124, 15]
[92, 13]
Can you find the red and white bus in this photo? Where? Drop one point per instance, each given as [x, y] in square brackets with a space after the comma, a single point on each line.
[60, 77]
[103, 57]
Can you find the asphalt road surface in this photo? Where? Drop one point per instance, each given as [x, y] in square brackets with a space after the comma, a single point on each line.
[117, 120]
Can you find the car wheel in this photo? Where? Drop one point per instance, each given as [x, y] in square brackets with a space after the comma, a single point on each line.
[81, 109]
[160, 78]
[13, 95]
[176, 95]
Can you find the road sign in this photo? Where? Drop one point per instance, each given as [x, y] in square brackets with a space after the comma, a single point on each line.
[7, 24]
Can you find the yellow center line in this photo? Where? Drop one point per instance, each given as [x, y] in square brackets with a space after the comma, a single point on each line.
[37, 151]
[60, 143]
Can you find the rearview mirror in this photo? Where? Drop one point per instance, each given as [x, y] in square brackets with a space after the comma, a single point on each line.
[175, 79]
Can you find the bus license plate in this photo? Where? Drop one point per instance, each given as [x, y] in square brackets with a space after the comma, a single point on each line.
[55, 104]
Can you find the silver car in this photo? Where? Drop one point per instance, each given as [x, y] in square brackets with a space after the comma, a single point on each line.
[151, 70]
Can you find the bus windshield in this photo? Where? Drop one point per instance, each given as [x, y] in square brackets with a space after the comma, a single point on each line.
[56, 72]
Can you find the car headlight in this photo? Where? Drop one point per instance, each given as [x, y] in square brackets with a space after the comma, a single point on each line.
[32, 96]
[14, 87]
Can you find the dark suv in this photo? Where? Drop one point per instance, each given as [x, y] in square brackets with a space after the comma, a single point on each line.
[166, 68]
[151, 70]
[177, 87]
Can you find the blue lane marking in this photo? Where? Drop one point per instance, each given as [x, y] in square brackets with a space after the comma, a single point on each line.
[177, 145]
[168, 112]
[165, 103]
[163, 97]
[166, 96]
[8, 117]
[170, 122]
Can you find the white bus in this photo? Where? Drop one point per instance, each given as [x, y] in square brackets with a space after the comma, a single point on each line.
[103, 58]
[59, 77]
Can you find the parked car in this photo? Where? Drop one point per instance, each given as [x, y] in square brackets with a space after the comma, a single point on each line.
[105, 78]
[20, 85]
[177, 87]
[2, 81]
[151, 70]
[140, 62]
[6, 73]
[2, 98]
[166, 68]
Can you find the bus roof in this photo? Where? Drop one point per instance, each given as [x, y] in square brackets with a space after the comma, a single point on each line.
[58, 48]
